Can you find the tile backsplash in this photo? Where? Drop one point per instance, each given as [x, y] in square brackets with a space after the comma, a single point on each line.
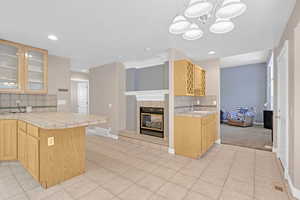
[39, 102]
[186, 103]
[183, 101]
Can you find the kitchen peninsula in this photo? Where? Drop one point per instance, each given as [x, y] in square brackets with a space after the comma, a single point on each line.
[50, 146]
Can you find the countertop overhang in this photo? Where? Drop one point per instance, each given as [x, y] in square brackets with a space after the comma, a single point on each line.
[195, 114]
[56, 120]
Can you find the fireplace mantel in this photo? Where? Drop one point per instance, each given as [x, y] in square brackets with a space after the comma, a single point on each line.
[148, 95]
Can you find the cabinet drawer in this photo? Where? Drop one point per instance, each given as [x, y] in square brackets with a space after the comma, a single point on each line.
[22, 125]
[32, 130]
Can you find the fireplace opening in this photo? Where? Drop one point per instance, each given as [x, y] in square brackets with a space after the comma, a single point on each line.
[152, 121]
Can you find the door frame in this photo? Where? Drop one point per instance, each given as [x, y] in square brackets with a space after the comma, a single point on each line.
[284, 52]
[88, 94]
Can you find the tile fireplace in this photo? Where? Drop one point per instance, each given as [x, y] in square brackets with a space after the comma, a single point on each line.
[152, 121]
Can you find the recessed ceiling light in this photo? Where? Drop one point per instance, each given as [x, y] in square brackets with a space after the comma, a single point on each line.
[147, 49]
[211, 52]
[52, 37]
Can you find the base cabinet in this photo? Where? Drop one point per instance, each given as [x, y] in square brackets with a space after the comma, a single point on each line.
[193, 136]
[8, 140]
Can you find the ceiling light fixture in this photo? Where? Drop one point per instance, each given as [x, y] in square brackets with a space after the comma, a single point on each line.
[207, 11]
[222, 26]
[193, 33]
[52, 37]
[179, 25]
[231, 9]
[211, 53]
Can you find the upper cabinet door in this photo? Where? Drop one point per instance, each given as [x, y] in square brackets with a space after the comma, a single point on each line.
[11, 67]
[36, 70]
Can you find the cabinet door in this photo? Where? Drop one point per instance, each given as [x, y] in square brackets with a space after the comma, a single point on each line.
[183, 78]
[11, 67]
[36, 69]
[203, 83]
[180, 77]
[187, 136]
[8, 140]
[22, 144]
[198, 81]
[33, 156]
[190, 88]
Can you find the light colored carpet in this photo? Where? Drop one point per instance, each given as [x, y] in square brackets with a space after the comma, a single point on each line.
[253, 137]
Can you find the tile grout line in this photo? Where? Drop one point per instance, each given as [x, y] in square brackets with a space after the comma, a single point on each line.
[198, 178]
[254, 178]
[234, 158]
[18, 183]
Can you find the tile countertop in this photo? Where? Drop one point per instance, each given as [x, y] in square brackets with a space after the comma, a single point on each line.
[195, 114]
[56, 120]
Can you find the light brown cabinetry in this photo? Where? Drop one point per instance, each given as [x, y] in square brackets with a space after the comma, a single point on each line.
[8, 140]
[193, 136]
[28, 148]
[32, 153]
[199, 81]
[22, 147]
[189, 79]
[51, 156]
[23, 69]
[183, 78]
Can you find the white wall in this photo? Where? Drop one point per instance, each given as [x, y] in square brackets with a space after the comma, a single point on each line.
[59, 78]
[107, 87]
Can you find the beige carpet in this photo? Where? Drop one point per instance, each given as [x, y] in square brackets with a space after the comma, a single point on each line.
[255, 137]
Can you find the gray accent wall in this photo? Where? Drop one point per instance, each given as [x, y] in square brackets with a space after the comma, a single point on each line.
[244, 86]
[149, 78]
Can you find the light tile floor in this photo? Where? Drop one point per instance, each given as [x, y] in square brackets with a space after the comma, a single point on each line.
[120, 170]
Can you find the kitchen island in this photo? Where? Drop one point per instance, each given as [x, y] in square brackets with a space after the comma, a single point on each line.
[51, 146]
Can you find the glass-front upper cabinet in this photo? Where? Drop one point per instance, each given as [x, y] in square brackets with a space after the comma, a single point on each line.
[11, 68]
[36, 67]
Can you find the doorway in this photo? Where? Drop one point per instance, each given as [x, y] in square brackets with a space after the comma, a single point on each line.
[282, 108]
[80, 96]
[247, 100]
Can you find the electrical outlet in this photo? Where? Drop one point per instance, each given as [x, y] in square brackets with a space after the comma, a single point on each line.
[50, 141]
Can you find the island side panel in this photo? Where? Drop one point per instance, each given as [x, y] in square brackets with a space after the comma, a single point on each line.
[65, 158]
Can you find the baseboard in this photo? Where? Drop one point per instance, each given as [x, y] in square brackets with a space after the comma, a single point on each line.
[102, 132]
[218, 141]
[295, 191]
[258, 123]
[171, 150]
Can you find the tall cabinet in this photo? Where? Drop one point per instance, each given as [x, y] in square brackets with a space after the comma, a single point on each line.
[23, 69]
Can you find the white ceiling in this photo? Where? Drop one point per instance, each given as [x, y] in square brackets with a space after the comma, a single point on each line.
[94, 32]
[245, 59]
